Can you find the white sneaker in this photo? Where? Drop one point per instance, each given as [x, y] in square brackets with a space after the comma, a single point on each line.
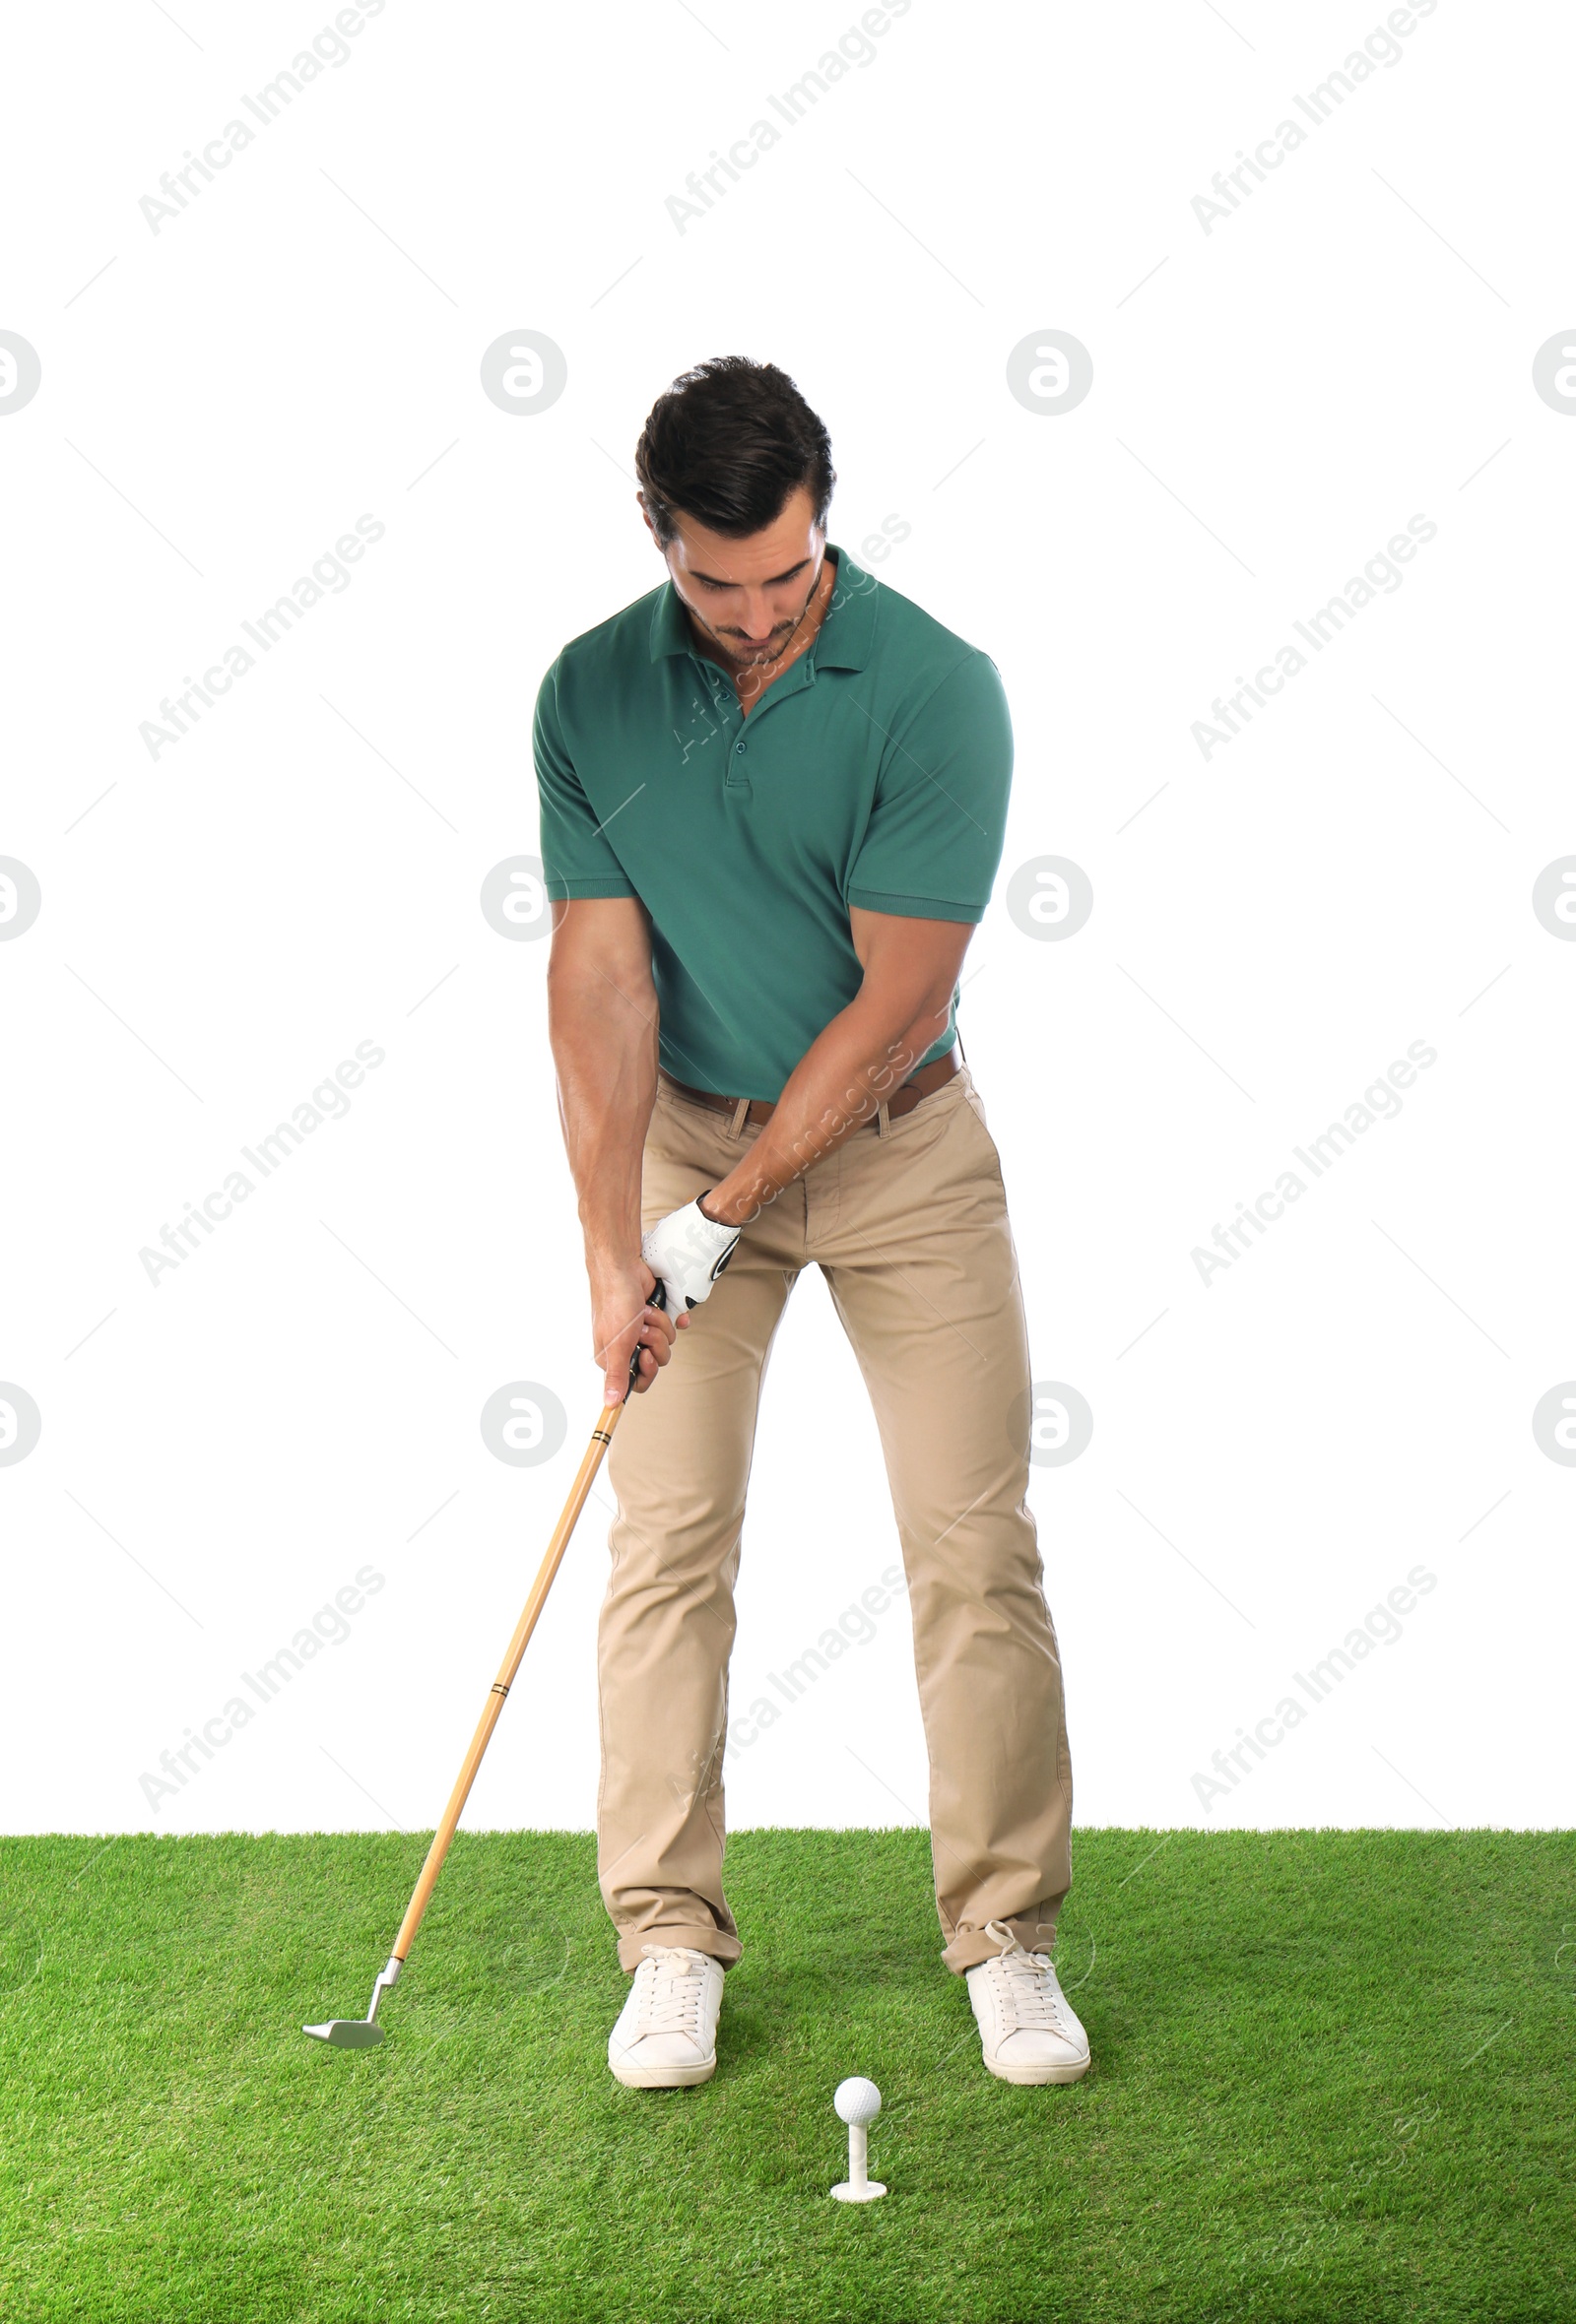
[666, 2036]
[1029, 2029]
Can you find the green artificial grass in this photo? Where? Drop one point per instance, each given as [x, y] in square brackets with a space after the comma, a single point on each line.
[1333, 2078]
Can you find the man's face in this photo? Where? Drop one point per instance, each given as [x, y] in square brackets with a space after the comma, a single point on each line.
[747, 597]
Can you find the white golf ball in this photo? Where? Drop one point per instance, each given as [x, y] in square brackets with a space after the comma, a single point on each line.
[857, 2101]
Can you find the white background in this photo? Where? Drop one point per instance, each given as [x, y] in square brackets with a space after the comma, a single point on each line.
[1273, 399]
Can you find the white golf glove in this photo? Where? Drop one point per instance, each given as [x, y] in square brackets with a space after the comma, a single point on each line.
[688, 1251]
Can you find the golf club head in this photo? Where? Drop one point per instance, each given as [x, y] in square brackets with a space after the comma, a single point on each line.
[347, 2032]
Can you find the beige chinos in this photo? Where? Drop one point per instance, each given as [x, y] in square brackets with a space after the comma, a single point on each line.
[908, 1221]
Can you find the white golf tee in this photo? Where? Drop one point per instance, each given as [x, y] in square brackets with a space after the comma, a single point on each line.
[858, 2102]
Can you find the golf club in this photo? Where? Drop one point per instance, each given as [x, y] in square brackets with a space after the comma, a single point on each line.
[362, 2032]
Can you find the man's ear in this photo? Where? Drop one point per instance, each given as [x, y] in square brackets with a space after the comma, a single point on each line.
[646, 514]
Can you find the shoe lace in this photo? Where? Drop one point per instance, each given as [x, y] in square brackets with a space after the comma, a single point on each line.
[669, 1982]
[1025, 1984]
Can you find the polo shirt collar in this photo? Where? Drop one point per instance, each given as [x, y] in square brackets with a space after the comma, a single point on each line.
[842, 642]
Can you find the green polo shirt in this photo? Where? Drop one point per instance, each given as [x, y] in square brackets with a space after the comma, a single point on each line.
[875, 772]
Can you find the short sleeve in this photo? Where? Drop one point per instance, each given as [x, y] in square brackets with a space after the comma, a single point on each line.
[936, 831]
[578, 856]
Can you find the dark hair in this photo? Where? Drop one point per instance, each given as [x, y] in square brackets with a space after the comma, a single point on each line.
[728, 444]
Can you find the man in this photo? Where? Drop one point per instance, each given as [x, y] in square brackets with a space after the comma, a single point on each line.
[773, 794]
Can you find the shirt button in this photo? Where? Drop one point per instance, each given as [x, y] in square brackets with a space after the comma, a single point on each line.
[737, 750]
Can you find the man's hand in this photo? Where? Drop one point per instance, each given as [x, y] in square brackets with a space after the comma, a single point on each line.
[688, 1251]
[622, 1319]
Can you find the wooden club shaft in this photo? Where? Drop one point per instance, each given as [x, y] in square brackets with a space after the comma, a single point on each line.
[585, 1477]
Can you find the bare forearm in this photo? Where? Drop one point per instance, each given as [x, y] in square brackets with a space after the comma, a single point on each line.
[602, 1021]
[604, 1041]
[864, 1054]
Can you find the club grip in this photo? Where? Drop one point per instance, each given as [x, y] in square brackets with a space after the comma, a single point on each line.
[658, 1299]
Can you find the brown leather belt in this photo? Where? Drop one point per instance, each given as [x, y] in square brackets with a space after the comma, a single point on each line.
[902, 1101]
